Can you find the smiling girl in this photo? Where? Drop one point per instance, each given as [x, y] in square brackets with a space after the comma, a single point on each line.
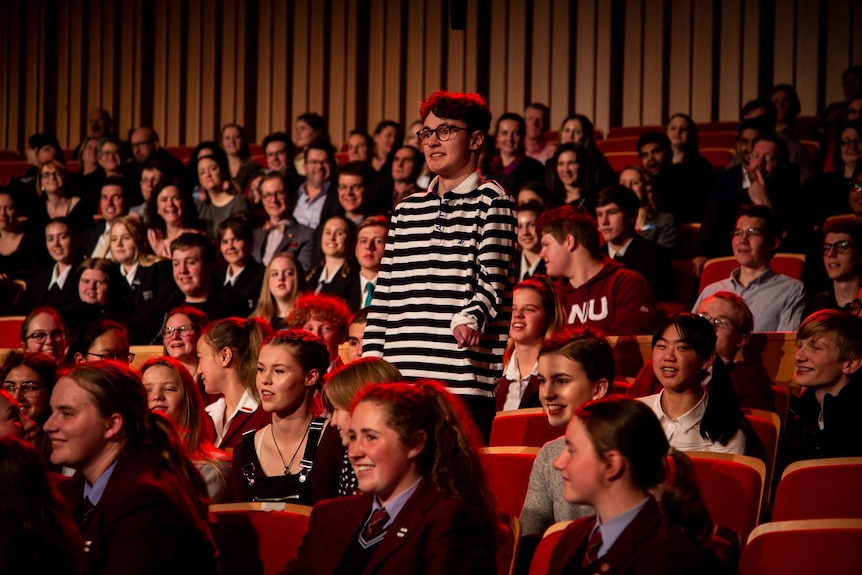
[535, 316]
[575, 366]
[425, 505]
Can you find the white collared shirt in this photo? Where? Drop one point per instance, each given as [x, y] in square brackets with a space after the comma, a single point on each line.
[517, 384]
[130, 275]
[216, 410]
[231, 279]
[526, 268]
[622, 251]
[59, 279]
[324, 279]
[683, 432]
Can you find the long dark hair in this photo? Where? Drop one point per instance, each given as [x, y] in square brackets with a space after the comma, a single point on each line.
[722, 418]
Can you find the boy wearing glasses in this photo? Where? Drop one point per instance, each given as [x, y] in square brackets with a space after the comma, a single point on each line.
[842, 260]
[775, 300]
[440, 307]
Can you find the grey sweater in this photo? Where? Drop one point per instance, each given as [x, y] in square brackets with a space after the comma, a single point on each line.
[544, 504]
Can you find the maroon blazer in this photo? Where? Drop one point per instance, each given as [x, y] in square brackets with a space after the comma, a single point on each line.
[242, 422]
[649, 545]
[529, 399]
[144, 522]
[434, 534]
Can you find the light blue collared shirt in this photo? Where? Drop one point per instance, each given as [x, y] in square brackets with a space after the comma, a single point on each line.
[308, 212]
[395, 506]
[95, 491]
[612, 530]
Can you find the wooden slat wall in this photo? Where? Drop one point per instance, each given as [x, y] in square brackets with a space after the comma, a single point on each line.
[188, 67]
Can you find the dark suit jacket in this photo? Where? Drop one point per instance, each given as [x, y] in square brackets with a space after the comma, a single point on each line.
[38, 294]
[529, 399]
[433, 533]
[144, 523]
[652, 261]
[540, 269]
[244, 293]
[341, 285]
[151, 283]
[649, 545]
[298, 240]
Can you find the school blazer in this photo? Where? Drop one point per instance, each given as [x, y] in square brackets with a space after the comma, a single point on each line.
[434, 534]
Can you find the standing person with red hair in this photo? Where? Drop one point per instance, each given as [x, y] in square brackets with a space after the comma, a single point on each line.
[440, 303]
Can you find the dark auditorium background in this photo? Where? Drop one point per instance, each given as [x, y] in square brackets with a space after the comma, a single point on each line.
[186, 67]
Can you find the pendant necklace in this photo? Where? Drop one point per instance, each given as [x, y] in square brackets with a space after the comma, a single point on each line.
[280, 456]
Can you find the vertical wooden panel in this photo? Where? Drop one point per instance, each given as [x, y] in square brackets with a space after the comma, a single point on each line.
[316, 53]
[6, 24]
[679, 88]
[585, 59]
[516, 59]
[240, 23]
[351, 78]
[560, 100]
[498, 66]
[76, 104]
[433, 46]
[193, 74]
[174, 110]
[34, 73]
[126, 57]
[471, 47]
[279, 66]
[63, 60]
[455, 60]
[414, 89]
[301, 48]
[750, 52]
[338, 68]
[539, 86]
[653, 63]
[376, 49]
[108, 58]
[392, 61]
[701, 62]
[785, 40]
[837, 47]
[730, 80]
[265, 66]
[632, 66]
[602, 118]
[209, 36]
[807, 39]
[230, 62]
[160, 72]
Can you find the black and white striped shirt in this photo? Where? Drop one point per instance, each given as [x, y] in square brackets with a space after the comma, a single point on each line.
[448, 262]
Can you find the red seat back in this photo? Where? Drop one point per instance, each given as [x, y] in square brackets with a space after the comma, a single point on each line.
[820, 489]
[542, 557]
[731, 489]
[508, 472]
[257, 541]
[527, 427]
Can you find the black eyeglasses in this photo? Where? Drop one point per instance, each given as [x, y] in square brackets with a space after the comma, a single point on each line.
[121, 357]
[42, 336]
[181, 330]
[840, 247]
[443, 132]
[748, 233]
[26, 387]
[717, 321]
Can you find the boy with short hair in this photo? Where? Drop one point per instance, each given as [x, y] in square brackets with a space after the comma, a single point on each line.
[594, 290]
[825, 420]
[441, 303]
